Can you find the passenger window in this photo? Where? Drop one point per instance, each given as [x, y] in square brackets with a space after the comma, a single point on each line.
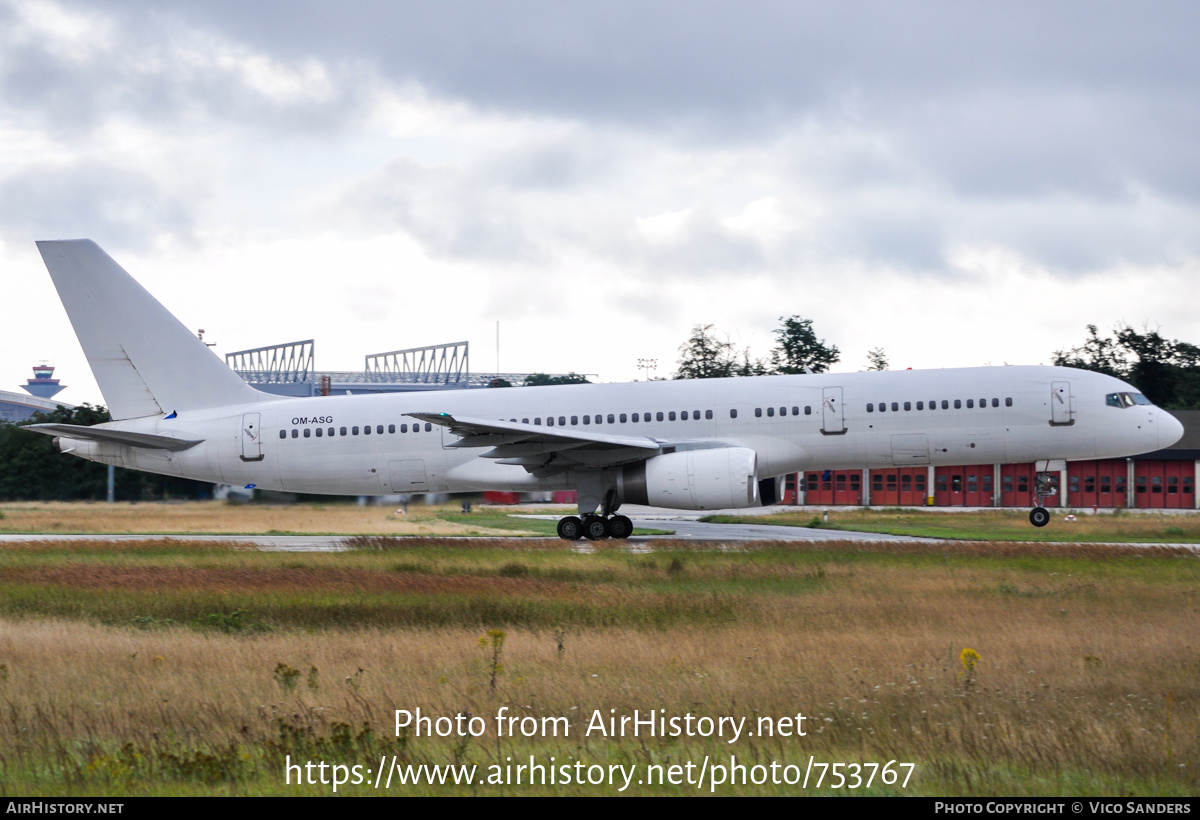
[933, 405]
[367, 430]
[550, 421]
[958, 404]
[635, 417]
[758, 412]
[895, 406]
[623, 418]
[403, 428]
[574, 420]
[983, 402]
[882, 407]
[331, 432]
[610, 418]
[391, 428]
[807, 410]
[343, 431]
[970, 404]
[945, 404]
[428, 427]
[538, 421]
[659, 416]
[907, 406]
[354, 431]
[708, 414]
[920, 405]
[695, 415]
[795, 410]
[283, 433]
[1008, 402]
[733, 413]
[307, 432]
[771, 412]
[524, 421]
[587, 419]
[295, 433]
[995, 402]
[870, 407]
[562, 421]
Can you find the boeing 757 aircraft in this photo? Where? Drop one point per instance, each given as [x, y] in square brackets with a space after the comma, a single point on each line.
[178, 410]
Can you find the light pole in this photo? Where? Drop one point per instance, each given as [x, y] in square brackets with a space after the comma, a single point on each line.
[647, 366]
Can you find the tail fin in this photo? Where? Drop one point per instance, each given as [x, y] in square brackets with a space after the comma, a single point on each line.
[145, 361]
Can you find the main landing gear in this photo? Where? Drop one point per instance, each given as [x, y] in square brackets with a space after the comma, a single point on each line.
[594, 527]
[1043, 487]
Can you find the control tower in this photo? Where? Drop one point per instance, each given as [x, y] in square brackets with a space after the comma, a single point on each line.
[43, 384]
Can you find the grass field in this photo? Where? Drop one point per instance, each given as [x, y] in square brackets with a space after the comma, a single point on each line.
[218, 517]
[992, 525]
[185, 668]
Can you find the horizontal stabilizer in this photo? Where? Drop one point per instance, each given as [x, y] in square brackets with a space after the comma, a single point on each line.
[105, 434]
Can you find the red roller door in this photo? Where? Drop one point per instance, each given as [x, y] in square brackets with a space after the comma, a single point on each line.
[1164, 484]
[1096, 483]
[904, 485]
[833, 487]
[967, 486]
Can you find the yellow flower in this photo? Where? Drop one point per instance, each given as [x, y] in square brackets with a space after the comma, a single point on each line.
[969, 658]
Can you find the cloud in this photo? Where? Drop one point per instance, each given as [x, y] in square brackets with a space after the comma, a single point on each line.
[90, 199]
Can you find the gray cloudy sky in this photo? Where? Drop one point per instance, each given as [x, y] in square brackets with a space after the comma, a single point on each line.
[958, 183]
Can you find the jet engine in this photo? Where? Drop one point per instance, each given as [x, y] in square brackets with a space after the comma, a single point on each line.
[717, 479]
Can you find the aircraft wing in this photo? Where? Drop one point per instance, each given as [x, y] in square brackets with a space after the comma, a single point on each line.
[535, 447]
[148, 440]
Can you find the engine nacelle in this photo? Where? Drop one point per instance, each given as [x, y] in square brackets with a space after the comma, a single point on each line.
[718, 479]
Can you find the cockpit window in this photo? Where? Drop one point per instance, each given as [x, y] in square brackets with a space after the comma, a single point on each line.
[1125, 399]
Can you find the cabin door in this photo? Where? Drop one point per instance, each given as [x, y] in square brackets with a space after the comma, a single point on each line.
[251, 438]
[1060, 404]
[833, 421]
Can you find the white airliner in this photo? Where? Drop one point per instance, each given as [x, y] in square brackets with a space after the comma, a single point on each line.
[178, 410]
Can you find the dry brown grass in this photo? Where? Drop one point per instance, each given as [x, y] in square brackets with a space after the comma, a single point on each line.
[1085, 677]
[219, 517]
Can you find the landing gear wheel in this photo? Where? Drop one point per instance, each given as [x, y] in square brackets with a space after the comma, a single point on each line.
[1039, 516]
[570, 528]
[620, 527]
[595, 528]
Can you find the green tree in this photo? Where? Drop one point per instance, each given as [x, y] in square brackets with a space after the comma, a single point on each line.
[1167, 371]
[797, 347]
[877, 359]
[704, 356]
[31, 468]
[538, 379]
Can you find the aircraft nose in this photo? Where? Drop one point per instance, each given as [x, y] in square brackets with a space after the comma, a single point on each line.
[1170, 430]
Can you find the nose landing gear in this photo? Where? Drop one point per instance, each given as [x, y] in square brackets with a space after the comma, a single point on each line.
[1043, 487]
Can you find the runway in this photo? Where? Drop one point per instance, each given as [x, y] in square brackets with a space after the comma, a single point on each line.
[681, 528]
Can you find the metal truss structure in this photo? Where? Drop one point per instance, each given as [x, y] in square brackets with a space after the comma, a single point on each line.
[437, 364]
[289, 363]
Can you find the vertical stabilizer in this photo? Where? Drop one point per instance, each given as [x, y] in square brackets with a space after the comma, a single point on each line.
[145, 361]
